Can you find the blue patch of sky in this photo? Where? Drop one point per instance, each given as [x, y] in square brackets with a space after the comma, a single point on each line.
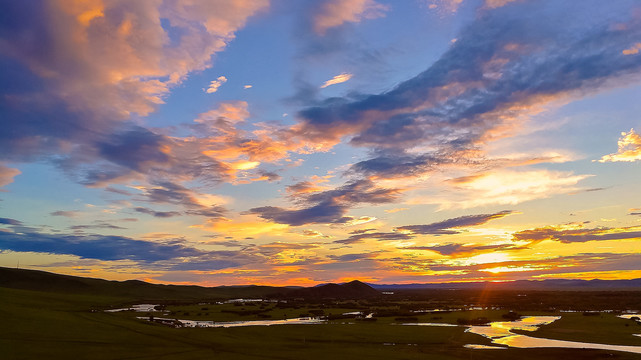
[42, 189]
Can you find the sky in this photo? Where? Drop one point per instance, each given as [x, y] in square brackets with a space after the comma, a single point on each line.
[302, 142]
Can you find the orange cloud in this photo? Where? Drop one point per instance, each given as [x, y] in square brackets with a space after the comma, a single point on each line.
[304, 187]
[395, 210]
[246, 226]
[239, 149]
[629, 148]
[7, 174]
[86, 10]
[633, 50]
[334, 13]
[337, 80]
[227, 113]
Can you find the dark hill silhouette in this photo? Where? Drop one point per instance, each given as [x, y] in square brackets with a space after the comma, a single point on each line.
[139, 290]
[351, 290]
[131, 289]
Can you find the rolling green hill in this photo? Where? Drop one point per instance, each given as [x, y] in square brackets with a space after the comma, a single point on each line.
[130, 289]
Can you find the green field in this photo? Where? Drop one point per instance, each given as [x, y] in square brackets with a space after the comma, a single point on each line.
[53, 325]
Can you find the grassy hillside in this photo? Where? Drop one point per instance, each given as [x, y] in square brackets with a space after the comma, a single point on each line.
[130, 289]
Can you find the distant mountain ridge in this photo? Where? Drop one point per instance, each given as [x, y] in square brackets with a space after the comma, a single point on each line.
[547, 284]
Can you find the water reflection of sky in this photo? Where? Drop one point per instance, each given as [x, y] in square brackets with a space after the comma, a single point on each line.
[215, 324]
[430, 324]
[137, 308]
[501, 334]
[477, 346]
[500, 329]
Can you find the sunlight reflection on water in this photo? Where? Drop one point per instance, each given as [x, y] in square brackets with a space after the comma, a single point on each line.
[477, 346]
[500, 333]
[214, 324]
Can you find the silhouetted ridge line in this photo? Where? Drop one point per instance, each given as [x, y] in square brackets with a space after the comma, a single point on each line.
[351, 290]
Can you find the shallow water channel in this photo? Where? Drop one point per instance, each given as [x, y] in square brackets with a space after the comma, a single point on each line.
[501, 334]
[217, 324]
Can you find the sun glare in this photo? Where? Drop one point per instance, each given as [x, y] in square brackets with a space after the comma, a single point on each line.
[488, 258]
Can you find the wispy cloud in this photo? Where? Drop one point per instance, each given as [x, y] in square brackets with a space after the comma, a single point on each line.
[578, 234]
[454, 249]
[329, 206]
[98, 224]
[334, 13]
[193, 202]
[506, 187]
[359, 237]
[69, 214]
[492, 4]
[315, 234]
[158, 214]
[448, 226]
[337, 80]
[100, 247]
[8, 221]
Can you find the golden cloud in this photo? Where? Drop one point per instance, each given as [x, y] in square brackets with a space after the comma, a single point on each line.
[337, 80]
[629, 148]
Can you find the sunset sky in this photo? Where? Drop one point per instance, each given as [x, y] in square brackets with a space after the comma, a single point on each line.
[302, 142]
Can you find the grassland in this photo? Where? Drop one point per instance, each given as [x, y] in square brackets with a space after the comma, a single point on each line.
[604, 328]
[54, 325]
